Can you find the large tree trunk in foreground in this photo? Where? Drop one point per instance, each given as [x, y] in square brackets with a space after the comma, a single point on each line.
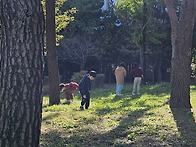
[182, 34]
[53, 73]
[21, 70]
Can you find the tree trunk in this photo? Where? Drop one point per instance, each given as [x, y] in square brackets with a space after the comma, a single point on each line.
[159, 71]
[182, 34]
[21, 72]
[154, 71]
[53, 73]
[143, 46]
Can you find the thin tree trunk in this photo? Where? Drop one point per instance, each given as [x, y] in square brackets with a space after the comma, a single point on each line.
[143, 47]
[53, 73]
[154, 71]
[159, 72]
[21, 72]
[174, 25]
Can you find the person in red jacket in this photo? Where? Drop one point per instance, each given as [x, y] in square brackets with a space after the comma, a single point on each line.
[68, 89]
[138, 75]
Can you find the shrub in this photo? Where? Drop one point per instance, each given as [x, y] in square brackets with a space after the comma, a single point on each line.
[97, 82]
[77, 76]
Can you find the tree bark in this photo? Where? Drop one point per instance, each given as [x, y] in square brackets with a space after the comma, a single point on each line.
[174, 24]
[53, 73]
[182, 34]
[21, 72]
[143, 45]
[159, 71]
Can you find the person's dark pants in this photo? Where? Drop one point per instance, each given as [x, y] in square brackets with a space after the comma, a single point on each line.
[86, 101]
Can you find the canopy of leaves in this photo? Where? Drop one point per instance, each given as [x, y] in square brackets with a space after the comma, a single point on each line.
[87, 17]
[132, 12]
[62, 17]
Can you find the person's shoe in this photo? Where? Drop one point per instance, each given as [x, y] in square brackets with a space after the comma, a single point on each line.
[81, 108]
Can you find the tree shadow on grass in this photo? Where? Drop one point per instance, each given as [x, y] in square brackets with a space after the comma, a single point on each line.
[52, 139]
[127, 121]
[84, 138]
[124, 130]
[157, 89]
[124, 102]
[89, 137]
[51, 116]
[185, 121]
[160, 89]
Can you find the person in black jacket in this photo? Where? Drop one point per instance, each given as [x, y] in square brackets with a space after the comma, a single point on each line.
[85, 87]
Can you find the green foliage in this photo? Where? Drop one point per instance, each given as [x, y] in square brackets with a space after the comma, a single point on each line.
[81, 41]
[148, 25]
[77, 76]
[87, 17]
[62, 17]
[134, 6]
[134, 13]
[145, 120]
[116, 41]
[97, 82]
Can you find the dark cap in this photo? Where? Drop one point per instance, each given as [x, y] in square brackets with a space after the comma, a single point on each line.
[93, 73]
[136, 65]
[122, 64]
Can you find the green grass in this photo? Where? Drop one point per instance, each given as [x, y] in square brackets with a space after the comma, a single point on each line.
[120, 121]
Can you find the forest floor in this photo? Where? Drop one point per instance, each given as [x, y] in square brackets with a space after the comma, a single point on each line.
[123, 121]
